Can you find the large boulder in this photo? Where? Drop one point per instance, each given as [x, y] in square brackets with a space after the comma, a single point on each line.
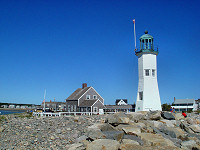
[114, 135]
[157, 124]
[155, 140]
[81, 138]
[173, 132]
[169, 123]
[134, 138]
[154, 115]
[76, 146]
[178, 116]
[96, 126]
[107, 127]
[185, 127]
[117, 118]
[94, 134]
[191, 144]
[103, 144]
[192, 121]
[132, 146]
[136, 116]
[195, 128]
[129, 141]
[131, 130]
[167, 115]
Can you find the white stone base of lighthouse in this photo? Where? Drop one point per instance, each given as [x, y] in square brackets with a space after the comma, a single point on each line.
[148, 97]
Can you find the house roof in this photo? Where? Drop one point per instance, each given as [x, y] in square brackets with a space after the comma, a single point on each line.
[183, 101]
[77, 94]
[118, 100]
[119, 106]
[88, 103]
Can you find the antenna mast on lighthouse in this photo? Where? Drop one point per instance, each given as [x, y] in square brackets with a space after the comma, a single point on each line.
[134, 34]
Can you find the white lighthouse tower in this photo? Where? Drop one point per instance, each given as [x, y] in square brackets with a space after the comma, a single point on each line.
[148, 97]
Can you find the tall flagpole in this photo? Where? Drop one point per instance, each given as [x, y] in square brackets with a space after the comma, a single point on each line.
[44, 99]
[134, 34]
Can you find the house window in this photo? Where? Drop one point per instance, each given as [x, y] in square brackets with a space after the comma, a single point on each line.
[153, 72]
[95, 109]
[140, 95]
[94, 97]
[147, 72]
[74, 107]
[81, 109]
[71, 107]
[68, 108]
[87, 96]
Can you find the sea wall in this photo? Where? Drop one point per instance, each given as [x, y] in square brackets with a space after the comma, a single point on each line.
[138, 130]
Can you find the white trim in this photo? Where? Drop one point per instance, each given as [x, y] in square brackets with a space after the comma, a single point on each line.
[82, 96]
[98, 94]
[96, 101]
[122, 102]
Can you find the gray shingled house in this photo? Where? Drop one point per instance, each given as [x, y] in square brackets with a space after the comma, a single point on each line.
[85, 99]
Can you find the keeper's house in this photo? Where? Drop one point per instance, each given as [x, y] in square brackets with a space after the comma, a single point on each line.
[85, 99]
[184, 104]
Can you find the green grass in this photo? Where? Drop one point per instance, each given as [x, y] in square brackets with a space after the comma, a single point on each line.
[24, 115]
[3, 118]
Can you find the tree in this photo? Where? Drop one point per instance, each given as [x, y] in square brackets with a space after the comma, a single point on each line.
[166, 107]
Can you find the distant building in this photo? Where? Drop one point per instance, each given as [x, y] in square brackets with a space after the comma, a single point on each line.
[11, 106]
[54, 106]
[121, 102]
[184, 104]
[85, 99]
[197, 105]
[119, 108]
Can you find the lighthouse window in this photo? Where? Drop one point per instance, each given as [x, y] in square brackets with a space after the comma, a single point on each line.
[140, 95]
[153, 72]
[146, 44]
[147, 72]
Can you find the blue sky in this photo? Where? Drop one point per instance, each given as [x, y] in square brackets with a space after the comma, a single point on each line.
[58, 45]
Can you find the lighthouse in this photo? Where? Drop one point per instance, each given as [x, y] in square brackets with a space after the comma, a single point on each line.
[148, 97]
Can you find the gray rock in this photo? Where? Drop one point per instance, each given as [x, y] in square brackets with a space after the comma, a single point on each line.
[76, 147]
[184, 126]
[107, 127]
[81, 138]
[169, 123]
[154, 115]
[136, 116]
[131, 130]
[155, 139]
[58, 131]
[129, 141]
[173, 132]
[195, 128]
[115, 135]
[167, 115]
[191, 144]
[95, 134]
[118, 118]
[103, 144]
[134, 138]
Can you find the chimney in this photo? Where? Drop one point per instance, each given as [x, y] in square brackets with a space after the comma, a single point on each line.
[84, 85]
[174, 99]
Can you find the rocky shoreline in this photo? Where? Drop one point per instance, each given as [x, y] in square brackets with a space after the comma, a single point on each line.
[139, 130]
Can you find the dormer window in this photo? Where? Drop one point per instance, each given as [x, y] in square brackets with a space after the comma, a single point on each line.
[94, 97]
[87, 96]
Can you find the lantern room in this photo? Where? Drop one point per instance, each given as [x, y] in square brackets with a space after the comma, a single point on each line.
[146, 44]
